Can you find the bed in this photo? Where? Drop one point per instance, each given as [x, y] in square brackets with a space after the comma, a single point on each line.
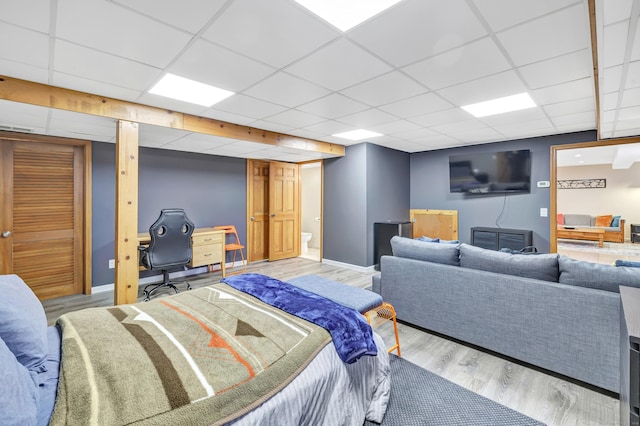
[215, 355]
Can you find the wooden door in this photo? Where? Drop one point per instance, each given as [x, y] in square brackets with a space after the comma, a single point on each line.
[434, 223]
[284, 210]
[258, 210]
[43, 216]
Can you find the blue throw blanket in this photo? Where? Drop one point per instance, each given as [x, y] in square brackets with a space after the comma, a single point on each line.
[352, 335]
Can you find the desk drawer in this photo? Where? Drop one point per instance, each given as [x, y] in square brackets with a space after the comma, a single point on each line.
[206, 254]
[207, 239]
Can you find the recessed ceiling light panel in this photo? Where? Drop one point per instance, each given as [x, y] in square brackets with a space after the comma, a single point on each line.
[356, 135]
[183, 89]
[500, 105]
[346, 14]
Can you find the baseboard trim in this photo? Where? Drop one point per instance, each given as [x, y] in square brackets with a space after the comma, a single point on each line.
[158, 278]
[349, 265]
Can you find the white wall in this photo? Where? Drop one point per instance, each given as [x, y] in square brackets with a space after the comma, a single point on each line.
[311, 203]
[620, 197]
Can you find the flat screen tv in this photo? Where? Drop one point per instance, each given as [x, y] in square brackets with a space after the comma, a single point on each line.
[490, 172]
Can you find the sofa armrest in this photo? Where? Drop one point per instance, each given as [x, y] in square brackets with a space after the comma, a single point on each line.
[375, 282]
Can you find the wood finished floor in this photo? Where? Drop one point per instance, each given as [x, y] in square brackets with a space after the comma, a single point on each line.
[543, 397]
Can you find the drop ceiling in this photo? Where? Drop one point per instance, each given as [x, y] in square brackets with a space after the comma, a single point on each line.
[403, 73]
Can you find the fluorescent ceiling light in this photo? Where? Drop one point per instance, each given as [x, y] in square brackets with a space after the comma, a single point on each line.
[500, 105]
[356, 135]
[346, 14]
[183, 89]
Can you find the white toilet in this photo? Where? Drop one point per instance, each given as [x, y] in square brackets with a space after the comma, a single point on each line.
[306, 236]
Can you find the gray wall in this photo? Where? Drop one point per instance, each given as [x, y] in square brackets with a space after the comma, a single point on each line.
[430, 188]
[369, 184]
[211, 189]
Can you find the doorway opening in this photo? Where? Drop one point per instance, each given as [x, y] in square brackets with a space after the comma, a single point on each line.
[311, 211]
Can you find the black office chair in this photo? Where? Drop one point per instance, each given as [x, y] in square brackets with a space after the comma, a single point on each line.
[170, 247]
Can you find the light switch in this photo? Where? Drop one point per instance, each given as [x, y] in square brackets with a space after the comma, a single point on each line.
[543, 212]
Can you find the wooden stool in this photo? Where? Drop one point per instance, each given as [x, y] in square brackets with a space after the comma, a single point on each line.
[381, 314]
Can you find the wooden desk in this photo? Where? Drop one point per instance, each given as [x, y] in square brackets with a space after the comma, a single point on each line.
[592, 234]
[207, 245]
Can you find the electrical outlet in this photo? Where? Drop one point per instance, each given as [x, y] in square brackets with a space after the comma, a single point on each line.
[112, 263]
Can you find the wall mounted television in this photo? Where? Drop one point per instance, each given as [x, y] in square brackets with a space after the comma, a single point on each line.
[490, 172]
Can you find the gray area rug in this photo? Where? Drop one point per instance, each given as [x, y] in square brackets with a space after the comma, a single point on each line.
[421, 398]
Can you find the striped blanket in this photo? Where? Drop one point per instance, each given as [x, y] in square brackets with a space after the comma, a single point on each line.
[205, 356]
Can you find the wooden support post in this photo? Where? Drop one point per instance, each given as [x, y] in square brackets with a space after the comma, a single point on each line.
[126, 272]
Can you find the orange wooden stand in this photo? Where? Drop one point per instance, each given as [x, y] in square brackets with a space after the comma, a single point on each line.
[379, 315]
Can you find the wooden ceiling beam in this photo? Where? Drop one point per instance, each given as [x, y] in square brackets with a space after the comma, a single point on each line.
[16, 90]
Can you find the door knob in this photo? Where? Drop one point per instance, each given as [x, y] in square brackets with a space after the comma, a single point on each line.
[6, 234]
[252, 218]
[273, 215]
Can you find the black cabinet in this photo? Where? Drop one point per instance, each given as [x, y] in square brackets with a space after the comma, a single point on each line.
[498, 238]
[382, 233]
[635, 233]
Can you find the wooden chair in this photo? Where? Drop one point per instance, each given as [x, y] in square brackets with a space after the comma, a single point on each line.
[232, 243]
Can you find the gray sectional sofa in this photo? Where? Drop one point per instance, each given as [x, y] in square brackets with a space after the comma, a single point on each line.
[550, 311]
[613, 234]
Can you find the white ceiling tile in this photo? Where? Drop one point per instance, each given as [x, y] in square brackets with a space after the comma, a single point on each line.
[96, 87]
[437, 28]
[338, 65]
[614, 11]
[614, 41]
[417, 135]
[32, 14]
[303, 133]
[113, 29]
[333, 106]
[506, 13]
[610, 81]
[33, 48]
[294, 118]
[195, 142]
[632, 113]
[582, 117]
[630, 98]
[563, 92]
[259, 29]
[556, 34]
[330, 127]
[88, 63]
[571, 107]
[248, 107]
[441, 117]
[24, 71]
[486, 134]
[417, 105]
[23, 116]
[285, 89]
[626, 133]
[562, 69]
[469, 62]
[516, 129]
[627, 124]
[459, 126]
[82, 123]
[633, 75]
[189, 15]
[385, 89]
[484, 89]
[609, 101]
[155, 136]
[271, 126]
[367, 118]
[394, 127]
[635, 49]
[211, 64]
[608, 116]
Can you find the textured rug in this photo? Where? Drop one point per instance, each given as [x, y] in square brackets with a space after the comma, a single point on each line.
[421, 398]
[621, 249]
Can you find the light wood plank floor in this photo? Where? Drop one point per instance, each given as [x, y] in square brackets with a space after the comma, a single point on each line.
[538, 395]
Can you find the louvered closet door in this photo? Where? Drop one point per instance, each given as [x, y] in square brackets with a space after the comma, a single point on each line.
[42, 208]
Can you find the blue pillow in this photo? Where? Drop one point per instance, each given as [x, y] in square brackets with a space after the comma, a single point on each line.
[428, 240]
[628, 263]
[23, 323]
[18, 391]
[615, 222]
[449, 241]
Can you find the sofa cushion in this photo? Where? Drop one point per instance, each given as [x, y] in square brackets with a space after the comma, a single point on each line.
[18, 391]
[604, 220]
[23, 323]
[560, 220]
[628, 263]
[615, 222]
[541, 267]
[594, 275]
[428, 240]
[438, 253]
[577, 220]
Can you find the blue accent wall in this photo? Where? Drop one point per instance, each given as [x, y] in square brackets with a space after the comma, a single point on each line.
[211, 189]
[430, 188]
[369, 184]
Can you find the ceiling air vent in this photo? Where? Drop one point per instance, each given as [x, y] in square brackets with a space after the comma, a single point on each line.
[15, 129]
